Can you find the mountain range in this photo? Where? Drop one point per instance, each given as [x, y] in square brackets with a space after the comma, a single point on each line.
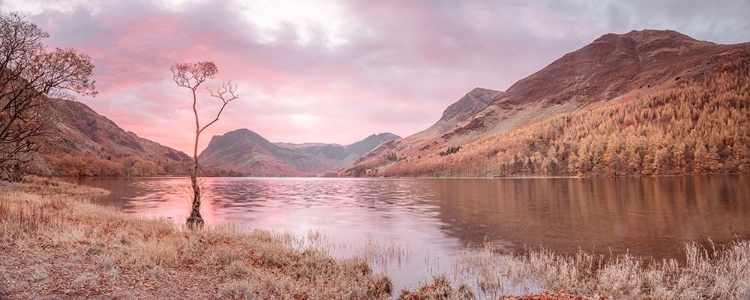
[649, 102]
[621, 105]
[85, 143]
[247, 152]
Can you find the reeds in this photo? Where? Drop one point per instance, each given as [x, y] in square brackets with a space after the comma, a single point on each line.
[716, 273]
[55, 244]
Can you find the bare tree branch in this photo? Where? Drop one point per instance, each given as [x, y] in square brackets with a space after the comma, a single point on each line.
[226, 93]
[29, 76]
[191, 76]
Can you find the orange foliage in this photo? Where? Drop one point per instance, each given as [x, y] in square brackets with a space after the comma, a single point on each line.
[699, 126]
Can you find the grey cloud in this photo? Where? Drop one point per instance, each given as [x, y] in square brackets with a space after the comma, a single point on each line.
[414, 56]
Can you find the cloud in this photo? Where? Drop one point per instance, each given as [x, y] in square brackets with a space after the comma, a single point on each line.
[337, 71]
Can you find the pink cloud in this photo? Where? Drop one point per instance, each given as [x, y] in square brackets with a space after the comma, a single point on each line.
[401, 63]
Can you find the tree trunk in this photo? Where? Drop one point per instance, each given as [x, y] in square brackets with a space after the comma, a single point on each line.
[195, 220]
[191, 75]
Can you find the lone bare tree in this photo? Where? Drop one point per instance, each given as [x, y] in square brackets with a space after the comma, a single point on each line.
[30, 78]
[191, 76]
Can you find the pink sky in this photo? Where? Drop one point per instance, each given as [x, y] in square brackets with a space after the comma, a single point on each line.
[336, 71]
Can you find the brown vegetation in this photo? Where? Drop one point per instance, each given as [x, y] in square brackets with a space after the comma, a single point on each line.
[553, 296]
[699, 126]
[716, 273]
[440, 288]
[29, 74]
[617, 94]
[55, 244]
[88, 144]
[85, 165]
[74, 165]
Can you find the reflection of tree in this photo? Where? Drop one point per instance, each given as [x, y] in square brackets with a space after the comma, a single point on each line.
[654, 216]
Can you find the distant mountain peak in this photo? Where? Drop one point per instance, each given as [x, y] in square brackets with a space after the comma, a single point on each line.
[646, 34]
[383, 135]
[245, 151]
[610, 66]
[479, 90]
[645, 42]
[469, 104]
[241, 131]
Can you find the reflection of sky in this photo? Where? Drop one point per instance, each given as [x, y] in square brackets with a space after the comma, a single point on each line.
[433, 218]
[349, 212]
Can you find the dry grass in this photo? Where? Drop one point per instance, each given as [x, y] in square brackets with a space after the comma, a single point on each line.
[553, 296]
[55, 244]
[440, 288]
[716, 273]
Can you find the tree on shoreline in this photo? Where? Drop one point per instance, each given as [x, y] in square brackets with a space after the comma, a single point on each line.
[191, 76]
[30, 78]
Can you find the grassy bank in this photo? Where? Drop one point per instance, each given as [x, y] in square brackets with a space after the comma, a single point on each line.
[55, 244]
[721, 272]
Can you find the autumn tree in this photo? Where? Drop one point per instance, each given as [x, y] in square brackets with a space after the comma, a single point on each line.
[191, 76]
[30, 78]
[699, 126]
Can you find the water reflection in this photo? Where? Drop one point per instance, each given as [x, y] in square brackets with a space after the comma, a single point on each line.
[651, 217]
[436, 217]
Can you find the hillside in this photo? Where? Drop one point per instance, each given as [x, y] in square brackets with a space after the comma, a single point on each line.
[88, 144]
[458, 112]
[634, 97]
[249, 153]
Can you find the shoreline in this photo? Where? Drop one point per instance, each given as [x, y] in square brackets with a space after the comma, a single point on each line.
[418, 177]
[54, 243]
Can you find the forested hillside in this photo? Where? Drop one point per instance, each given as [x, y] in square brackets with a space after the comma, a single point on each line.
[699, 126]
[649, 102]
[85, 143]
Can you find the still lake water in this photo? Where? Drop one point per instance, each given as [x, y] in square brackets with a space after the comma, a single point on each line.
[435, 218]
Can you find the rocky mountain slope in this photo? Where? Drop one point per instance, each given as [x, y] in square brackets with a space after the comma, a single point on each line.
[610, 73]
[460, 111]
[85, 143]
[249, 153]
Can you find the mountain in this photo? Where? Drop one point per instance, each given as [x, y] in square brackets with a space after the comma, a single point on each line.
[645, 80]
[249, 153]
[88, 144]
[459, 111]
[456, 113]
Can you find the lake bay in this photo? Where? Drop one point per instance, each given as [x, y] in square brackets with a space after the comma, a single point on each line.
[433, 219]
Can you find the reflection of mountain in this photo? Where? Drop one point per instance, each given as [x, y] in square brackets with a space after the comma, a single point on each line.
[655, 216]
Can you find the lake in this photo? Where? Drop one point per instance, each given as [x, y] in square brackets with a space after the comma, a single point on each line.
[432, 219]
